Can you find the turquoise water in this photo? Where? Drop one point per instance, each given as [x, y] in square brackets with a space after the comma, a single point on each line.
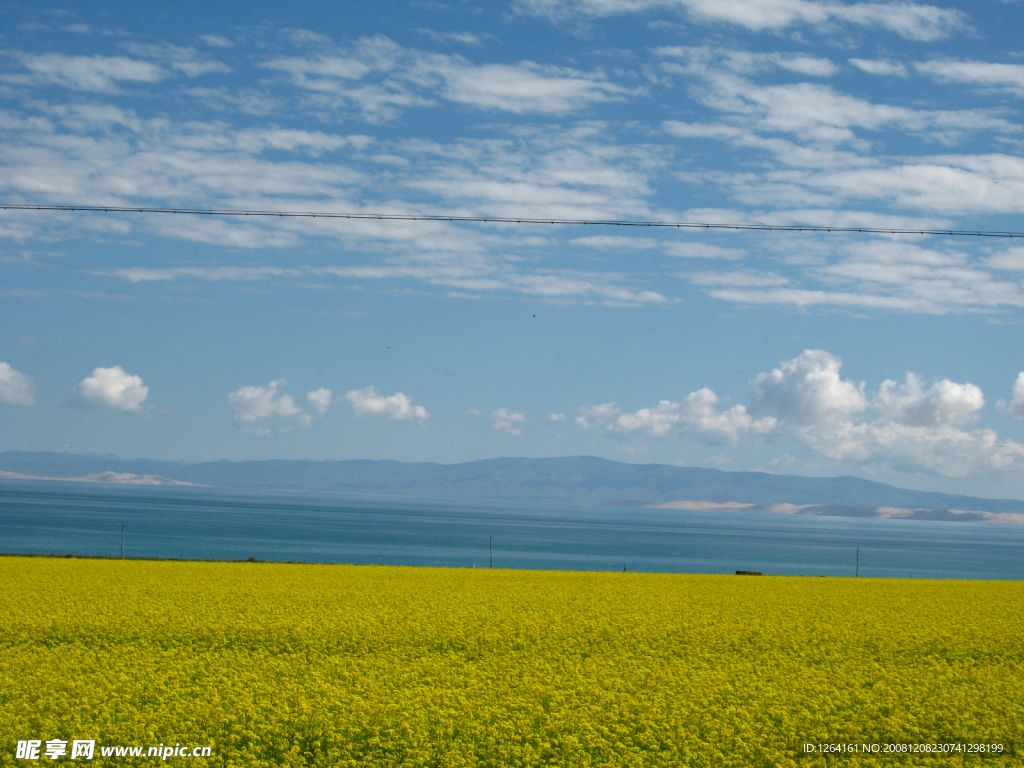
[85, 519]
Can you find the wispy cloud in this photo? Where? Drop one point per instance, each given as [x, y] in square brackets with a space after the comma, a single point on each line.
[912, 21]
[84, 73]
[380, 78]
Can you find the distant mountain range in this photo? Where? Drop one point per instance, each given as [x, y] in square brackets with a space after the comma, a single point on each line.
[580, 479]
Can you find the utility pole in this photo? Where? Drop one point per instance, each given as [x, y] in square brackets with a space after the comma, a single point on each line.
[490, 548]
[858, 562]
[122, 540]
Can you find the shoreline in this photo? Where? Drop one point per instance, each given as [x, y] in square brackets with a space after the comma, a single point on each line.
[257, 561]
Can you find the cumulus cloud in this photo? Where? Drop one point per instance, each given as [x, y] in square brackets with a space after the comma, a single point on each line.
[556, 417]
[1017, 401]
[16, 388]
[367, 402]
[111, 388]
[507, 421]
[596, 415]
[939, 450]
[916, 429]
[807, 391]
[696, 416]
[319, 400]
[945, 402]
[253, 404]
[904, 427]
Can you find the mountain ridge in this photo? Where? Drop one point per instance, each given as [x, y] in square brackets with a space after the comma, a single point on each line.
[583, 479]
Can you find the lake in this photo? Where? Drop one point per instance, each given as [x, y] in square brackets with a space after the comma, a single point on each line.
[204, 523]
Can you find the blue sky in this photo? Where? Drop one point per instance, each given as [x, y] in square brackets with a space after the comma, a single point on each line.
[895, 358]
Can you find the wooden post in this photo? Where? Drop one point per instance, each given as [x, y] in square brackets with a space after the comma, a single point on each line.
[490, 548]
[122, 540]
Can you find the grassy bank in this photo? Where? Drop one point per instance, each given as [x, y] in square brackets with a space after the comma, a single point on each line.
[276, 664]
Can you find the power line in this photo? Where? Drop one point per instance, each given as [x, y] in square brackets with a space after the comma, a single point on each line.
[514, 220]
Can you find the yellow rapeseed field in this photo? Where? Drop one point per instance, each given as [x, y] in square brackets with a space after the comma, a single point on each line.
[316, 665]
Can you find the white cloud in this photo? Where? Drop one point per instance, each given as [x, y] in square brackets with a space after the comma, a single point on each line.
[381, 77]
[1017, 401]
[807, 391]
[596, 415]
[808, 298]
[877, 274]
[147, 274]
[702, 130]
[367, 402]
[319, 400]
[953, 184]
[748, 62]
[806, 65]
[876, 67]
[574, 171]
[941, 450]
[16, 388]
[216, 41]
[1011, 259]
[520, 88]
[806, 401]
[508, 421]
[85, 73]
[811, 112]
[914, 22]
[916, 429]
[945, 402]
[111, 388]
[616, 242]
[185, 60]
[251, 404]
[741, 278]
[466, 38]
[687, 250]
[556, 417]
[821, 113]
[1008, 77]
[695, 417]
[703, 251]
